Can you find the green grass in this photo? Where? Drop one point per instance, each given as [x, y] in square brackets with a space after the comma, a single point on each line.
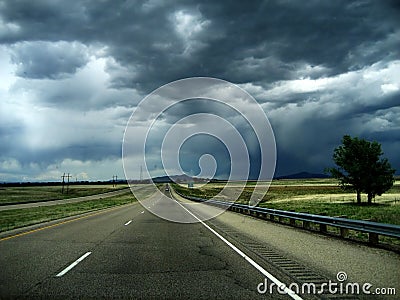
[15, 218]
[314, 196]
[10, 195]
[278, 192]
[289, 191]
[384, 213]
[205, 193]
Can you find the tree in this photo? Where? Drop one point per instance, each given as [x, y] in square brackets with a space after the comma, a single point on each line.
[361, 169]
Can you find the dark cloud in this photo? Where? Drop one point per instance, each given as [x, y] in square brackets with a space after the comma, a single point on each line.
[242, 43]
[43, 20]
[40, 59]
[321, 69]
[194, 147]
[197, 146]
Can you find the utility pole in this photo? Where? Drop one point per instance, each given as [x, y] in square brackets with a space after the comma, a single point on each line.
[115, 177]
[141, 173]
[68, 177]
[63, 183]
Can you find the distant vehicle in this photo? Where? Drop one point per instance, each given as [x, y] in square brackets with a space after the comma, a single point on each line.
[167, 188]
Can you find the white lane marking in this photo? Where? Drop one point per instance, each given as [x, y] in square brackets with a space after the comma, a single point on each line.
[73, 264]
[290, 293]
[127, 223]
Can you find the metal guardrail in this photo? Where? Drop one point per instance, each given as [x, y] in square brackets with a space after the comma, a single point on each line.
[374, 229]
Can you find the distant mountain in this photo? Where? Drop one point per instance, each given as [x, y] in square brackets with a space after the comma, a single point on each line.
[303, 175]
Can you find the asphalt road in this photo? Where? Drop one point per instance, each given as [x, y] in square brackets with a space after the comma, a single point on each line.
[127, 252]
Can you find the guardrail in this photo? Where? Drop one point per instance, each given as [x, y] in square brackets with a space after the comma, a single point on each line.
[374, 229]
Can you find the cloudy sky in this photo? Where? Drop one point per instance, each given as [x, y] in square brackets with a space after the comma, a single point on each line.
[72, 73]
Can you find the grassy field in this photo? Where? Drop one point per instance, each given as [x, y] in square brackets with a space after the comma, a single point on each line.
[10, 195]
[319, 196]
[15, 218]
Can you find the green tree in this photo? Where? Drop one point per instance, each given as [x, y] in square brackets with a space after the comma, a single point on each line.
[361, 169]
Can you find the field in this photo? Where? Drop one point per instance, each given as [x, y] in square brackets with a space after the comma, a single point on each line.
[15, 218]
[11, 195]
[315, 196]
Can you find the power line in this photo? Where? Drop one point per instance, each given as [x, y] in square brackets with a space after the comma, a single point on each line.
[68, 176]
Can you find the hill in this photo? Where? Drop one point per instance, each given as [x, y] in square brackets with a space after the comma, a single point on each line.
[303, 175]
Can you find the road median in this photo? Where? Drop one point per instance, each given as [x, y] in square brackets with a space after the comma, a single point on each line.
[17, 218]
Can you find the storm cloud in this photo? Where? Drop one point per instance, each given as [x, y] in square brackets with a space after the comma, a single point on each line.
[72, 74]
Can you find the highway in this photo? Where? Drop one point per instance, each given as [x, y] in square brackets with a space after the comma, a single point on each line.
[127, 252]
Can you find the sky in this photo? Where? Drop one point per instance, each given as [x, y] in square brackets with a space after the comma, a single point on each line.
[73, 72]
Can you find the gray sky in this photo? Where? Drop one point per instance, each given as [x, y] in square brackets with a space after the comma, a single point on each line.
[72, 72]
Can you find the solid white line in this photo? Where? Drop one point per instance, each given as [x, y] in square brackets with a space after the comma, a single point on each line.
[73, 264]
[290, 293]
[127, 223]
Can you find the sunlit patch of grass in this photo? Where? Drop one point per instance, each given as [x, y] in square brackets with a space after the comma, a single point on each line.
[207, 192]
[15, 218]
[10, 195]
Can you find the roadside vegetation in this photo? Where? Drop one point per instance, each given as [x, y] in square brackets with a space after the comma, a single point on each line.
[12, 195]
[361, 168]
[322, 197]
[15, 218]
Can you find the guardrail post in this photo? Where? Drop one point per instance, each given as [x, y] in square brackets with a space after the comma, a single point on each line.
[280, 219]
[323, 228]
[306, 224]
[344, 232]
[373, 238]
[272, 217]
[292, 222]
